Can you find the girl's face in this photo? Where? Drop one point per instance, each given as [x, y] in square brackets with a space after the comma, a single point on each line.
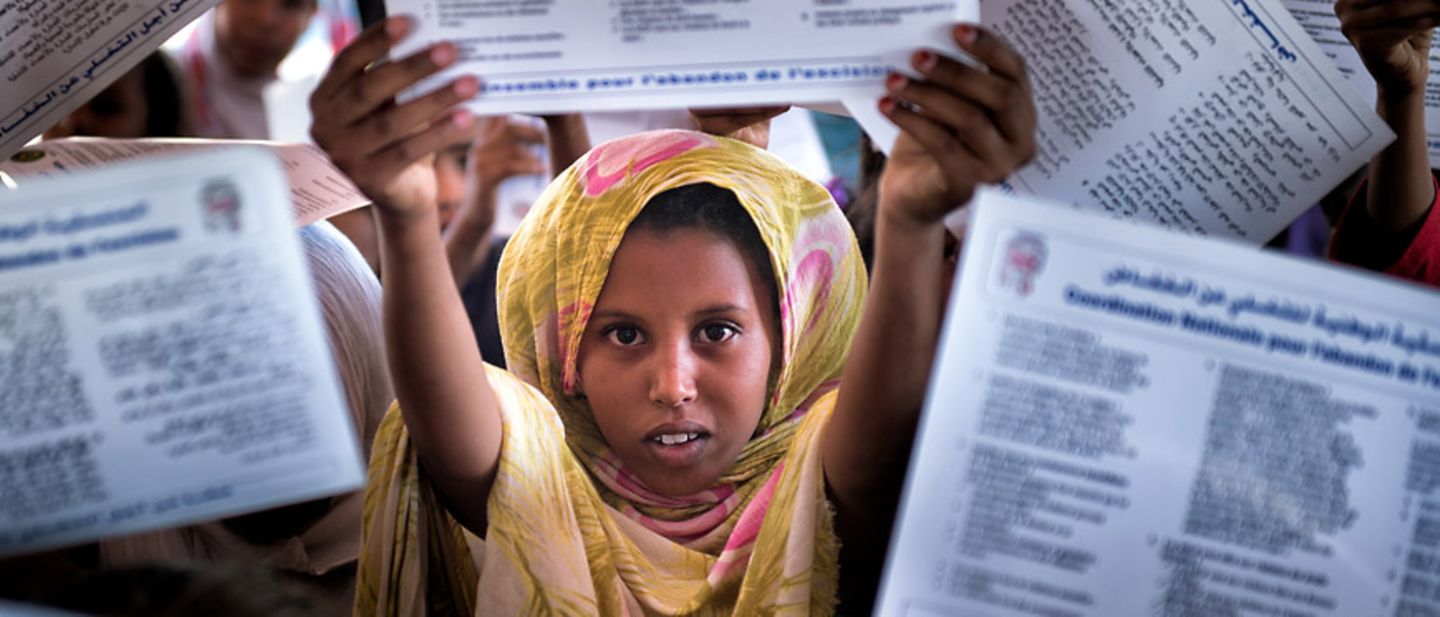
[677, 356]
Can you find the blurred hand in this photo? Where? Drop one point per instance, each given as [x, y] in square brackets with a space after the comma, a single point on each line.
[383, 147]
[747, 124]
[1393, 38]
[503, 150]
[960, 127]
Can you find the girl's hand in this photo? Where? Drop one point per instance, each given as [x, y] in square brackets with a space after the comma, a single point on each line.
[384, 147]
[960, 127]
[1393, 38]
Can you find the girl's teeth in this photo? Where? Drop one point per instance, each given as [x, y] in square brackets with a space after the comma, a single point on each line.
[671, 440]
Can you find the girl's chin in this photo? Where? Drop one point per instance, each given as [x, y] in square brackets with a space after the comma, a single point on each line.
[678, 483]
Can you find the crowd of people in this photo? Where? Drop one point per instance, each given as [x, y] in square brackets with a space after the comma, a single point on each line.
[687, 384]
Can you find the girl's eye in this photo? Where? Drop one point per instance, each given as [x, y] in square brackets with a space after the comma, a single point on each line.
[717, 333]
[623, 336]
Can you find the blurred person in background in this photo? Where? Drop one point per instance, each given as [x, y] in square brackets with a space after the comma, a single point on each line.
[233, 55]
[468, 179]
[180, 590]
[314, 545]
[148, 101]
[316, 541]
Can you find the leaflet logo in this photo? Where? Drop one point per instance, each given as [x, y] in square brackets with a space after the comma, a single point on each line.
[1025, 255]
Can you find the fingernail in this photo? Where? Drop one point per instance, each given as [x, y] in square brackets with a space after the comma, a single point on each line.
[396, 27]
[467, 86]
[887, 105]
[462, 119]
[924, 61]
[442, 54]
[895, 81]
[966, 34]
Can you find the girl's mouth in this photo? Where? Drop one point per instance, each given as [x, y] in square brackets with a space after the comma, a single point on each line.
[674, 439]
[678, 446]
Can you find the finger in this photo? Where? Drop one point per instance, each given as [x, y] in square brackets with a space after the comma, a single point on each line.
[1371, 14]
[1392, 9]
[723, 120]
[520, 157]
[1007, 100]
[519, 150]
[388, 126]
[992, 51]
[770, 110]
[1378, 43]
[1388, 29]
[526, 167]
[1367, 3]
[524, 133]
[369, 47]
[728, 125]
[971, 123]
[490, 128]
[1384, 38]
[379, 85]
[455, 128]
[1387, 16]
[931, 136]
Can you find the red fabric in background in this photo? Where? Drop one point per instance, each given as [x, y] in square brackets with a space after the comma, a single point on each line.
[1356, 242]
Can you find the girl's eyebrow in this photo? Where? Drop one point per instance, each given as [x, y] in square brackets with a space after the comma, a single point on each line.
[714, 309]
[719, 309]
[611, 314]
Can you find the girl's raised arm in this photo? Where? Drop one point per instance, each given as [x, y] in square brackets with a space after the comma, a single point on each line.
[961, 127]
[1393, 39]
[449, 408]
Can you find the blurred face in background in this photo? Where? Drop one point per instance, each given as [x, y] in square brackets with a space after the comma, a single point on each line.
[144, 102]
[254, 36]
[450, 181]
[119, 111]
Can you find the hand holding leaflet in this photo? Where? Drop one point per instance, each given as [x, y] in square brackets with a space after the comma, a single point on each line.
[546, 57]
[162, 353]
[1216, 118]
[965, 126]
[387, 148]
[1319, 19]
[960, 129]
[549, 56]
[1393, 40]
[1125, 421]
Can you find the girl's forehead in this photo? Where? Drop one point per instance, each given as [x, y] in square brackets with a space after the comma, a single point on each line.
[677, 265]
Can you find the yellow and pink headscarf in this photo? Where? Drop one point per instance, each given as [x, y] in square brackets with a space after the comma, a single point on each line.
[571, 531]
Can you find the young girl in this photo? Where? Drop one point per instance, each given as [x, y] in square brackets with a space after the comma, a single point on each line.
[682, 432]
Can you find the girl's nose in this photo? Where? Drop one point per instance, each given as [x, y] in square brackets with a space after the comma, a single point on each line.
[672, 381]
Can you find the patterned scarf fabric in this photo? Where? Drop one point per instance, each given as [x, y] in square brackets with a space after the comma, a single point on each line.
[571, 531]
